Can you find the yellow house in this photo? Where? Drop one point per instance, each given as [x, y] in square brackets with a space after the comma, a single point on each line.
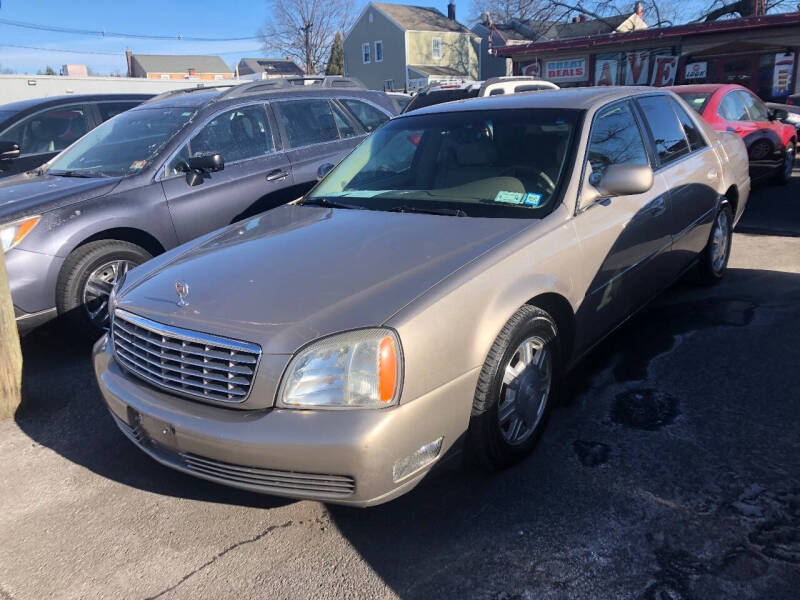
[396, 47]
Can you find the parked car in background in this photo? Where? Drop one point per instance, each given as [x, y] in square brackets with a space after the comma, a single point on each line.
[771, 144]
[161, 174]
[34, 131]
[477, 89]
[793, 100]
[338, 347]
[792, 113]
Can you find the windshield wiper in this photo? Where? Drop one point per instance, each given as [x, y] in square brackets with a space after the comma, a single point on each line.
[71, 174]
[452, 212]
[319, 201]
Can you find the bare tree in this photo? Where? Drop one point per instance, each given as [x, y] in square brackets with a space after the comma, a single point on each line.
[304, 29]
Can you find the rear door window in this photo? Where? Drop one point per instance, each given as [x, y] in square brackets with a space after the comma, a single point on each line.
[755, 108]
[112, 109]
[732, 108]
[615, 138]
[50, 130]
[307, 122]
[370, 117]
[665, 130]
[690, 128]
[343, 124]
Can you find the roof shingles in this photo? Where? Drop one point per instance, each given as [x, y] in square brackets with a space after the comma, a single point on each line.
[420, 18]
[180, 63]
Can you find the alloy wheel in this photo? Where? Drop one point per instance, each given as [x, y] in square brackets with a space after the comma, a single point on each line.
[98, 288]
[525, 390]
[720, 241]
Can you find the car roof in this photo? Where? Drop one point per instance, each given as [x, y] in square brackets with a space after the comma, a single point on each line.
[575, 98]
[704, 88]
[21, 105]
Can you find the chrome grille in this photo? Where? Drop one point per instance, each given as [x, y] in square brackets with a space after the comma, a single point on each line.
[267, 480]
[186, 362]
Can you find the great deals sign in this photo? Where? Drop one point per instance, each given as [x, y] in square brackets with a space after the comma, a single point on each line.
[573, 69]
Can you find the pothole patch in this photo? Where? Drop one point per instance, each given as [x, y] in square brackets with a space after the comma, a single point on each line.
[644, 408]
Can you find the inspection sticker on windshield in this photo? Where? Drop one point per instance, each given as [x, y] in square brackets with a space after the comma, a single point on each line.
[509, 197]
[532, 199]
[138, 164]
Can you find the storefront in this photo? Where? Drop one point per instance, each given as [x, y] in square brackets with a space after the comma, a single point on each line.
[760, 53]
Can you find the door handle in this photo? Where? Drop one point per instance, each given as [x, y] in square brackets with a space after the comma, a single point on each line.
[277, 175]
[712, 174]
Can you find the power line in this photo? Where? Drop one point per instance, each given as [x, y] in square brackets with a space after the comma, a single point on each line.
[115, 34]
[120, 53]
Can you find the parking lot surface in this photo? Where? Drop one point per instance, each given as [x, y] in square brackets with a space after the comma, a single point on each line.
[668, 470]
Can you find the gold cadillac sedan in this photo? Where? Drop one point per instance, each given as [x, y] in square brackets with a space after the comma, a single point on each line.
[426, 296]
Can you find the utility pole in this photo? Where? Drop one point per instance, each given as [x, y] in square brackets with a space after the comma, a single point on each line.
[10, 353]
[306, 29]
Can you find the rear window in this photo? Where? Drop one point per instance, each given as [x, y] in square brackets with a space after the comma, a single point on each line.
[307, 122]
[370, 117]
[697, 100]
[424, 99]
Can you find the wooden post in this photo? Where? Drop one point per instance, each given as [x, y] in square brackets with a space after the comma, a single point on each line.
[10, 352]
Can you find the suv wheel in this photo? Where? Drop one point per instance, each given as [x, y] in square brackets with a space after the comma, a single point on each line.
[87, 278]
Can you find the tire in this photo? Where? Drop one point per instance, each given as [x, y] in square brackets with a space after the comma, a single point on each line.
[489, 440]
[95, 259]
[712, 265]
[785, 174]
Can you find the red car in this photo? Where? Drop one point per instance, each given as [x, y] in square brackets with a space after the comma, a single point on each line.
[729, 107]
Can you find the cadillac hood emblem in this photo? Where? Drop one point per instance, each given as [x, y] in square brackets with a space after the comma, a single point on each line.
[182, 288]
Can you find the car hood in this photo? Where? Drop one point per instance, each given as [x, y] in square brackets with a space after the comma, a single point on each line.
[28, 193]
[296, 273]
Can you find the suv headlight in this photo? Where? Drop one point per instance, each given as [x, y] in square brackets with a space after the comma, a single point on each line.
[12, 234]
[357, 369]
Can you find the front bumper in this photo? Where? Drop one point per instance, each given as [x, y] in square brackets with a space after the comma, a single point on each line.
[338, 456]
[32, 278]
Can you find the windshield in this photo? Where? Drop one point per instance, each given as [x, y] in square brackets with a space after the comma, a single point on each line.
[122, 145]
[424, 99]
[697, 100]
[508, 163]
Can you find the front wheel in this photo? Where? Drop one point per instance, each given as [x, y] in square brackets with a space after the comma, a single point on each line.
[515, 390]
[87, 278]
[785, 174]
[714, 258]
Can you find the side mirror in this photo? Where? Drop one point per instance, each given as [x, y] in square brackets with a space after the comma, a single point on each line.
[207, 163]
[194, 177]
[619, 180]
[778, 114]
[9, 150]
[324, 170]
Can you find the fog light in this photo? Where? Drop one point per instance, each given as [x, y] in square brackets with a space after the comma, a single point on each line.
[425, 455]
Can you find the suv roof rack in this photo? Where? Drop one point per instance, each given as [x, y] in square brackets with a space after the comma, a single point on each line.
[200, 88]
[265, 85]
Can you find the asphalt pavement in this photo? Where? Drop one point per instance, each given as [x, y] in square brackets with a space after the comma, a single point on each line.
[669, 470]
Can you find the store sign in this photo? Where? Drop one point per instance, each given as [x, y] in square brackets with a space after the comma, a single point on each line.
[532, 69]
[605, 72]
[782, 75]
[664, 71]
[573, 69]
[696, 70]
[637, 67]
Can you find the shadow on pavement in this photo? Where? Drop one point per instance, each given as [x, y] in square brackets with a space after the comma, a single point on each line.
[773, 209]
[63, 410]
[614, 499]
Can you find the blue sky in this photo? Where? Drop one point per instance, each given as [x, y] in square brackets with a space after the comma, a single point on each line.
[207, 18]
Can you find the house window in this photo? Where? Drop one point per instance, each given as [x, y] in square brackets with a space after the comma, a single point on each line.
[365, 52]
[379, 51]
[436, 47]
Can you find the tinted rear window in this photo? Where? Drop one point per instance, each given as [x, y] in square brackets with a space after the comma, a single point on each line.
[697, 100]
[429, 99]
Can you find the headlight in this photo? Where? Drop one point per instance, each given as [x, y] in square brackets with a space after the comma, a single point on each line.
[12, 234]
[357, 369]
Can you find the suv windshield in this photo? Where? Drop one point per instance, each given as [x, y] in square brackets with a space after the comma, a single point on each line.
[123, 145]
[480, 164]
[424, 99]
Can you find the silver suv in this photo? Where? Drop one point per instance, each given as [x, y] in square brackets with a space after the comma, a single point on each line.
[179, 166]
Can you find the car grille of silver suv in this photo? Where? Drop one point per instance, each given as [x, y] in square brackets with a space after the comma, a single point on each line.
[189, 363]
